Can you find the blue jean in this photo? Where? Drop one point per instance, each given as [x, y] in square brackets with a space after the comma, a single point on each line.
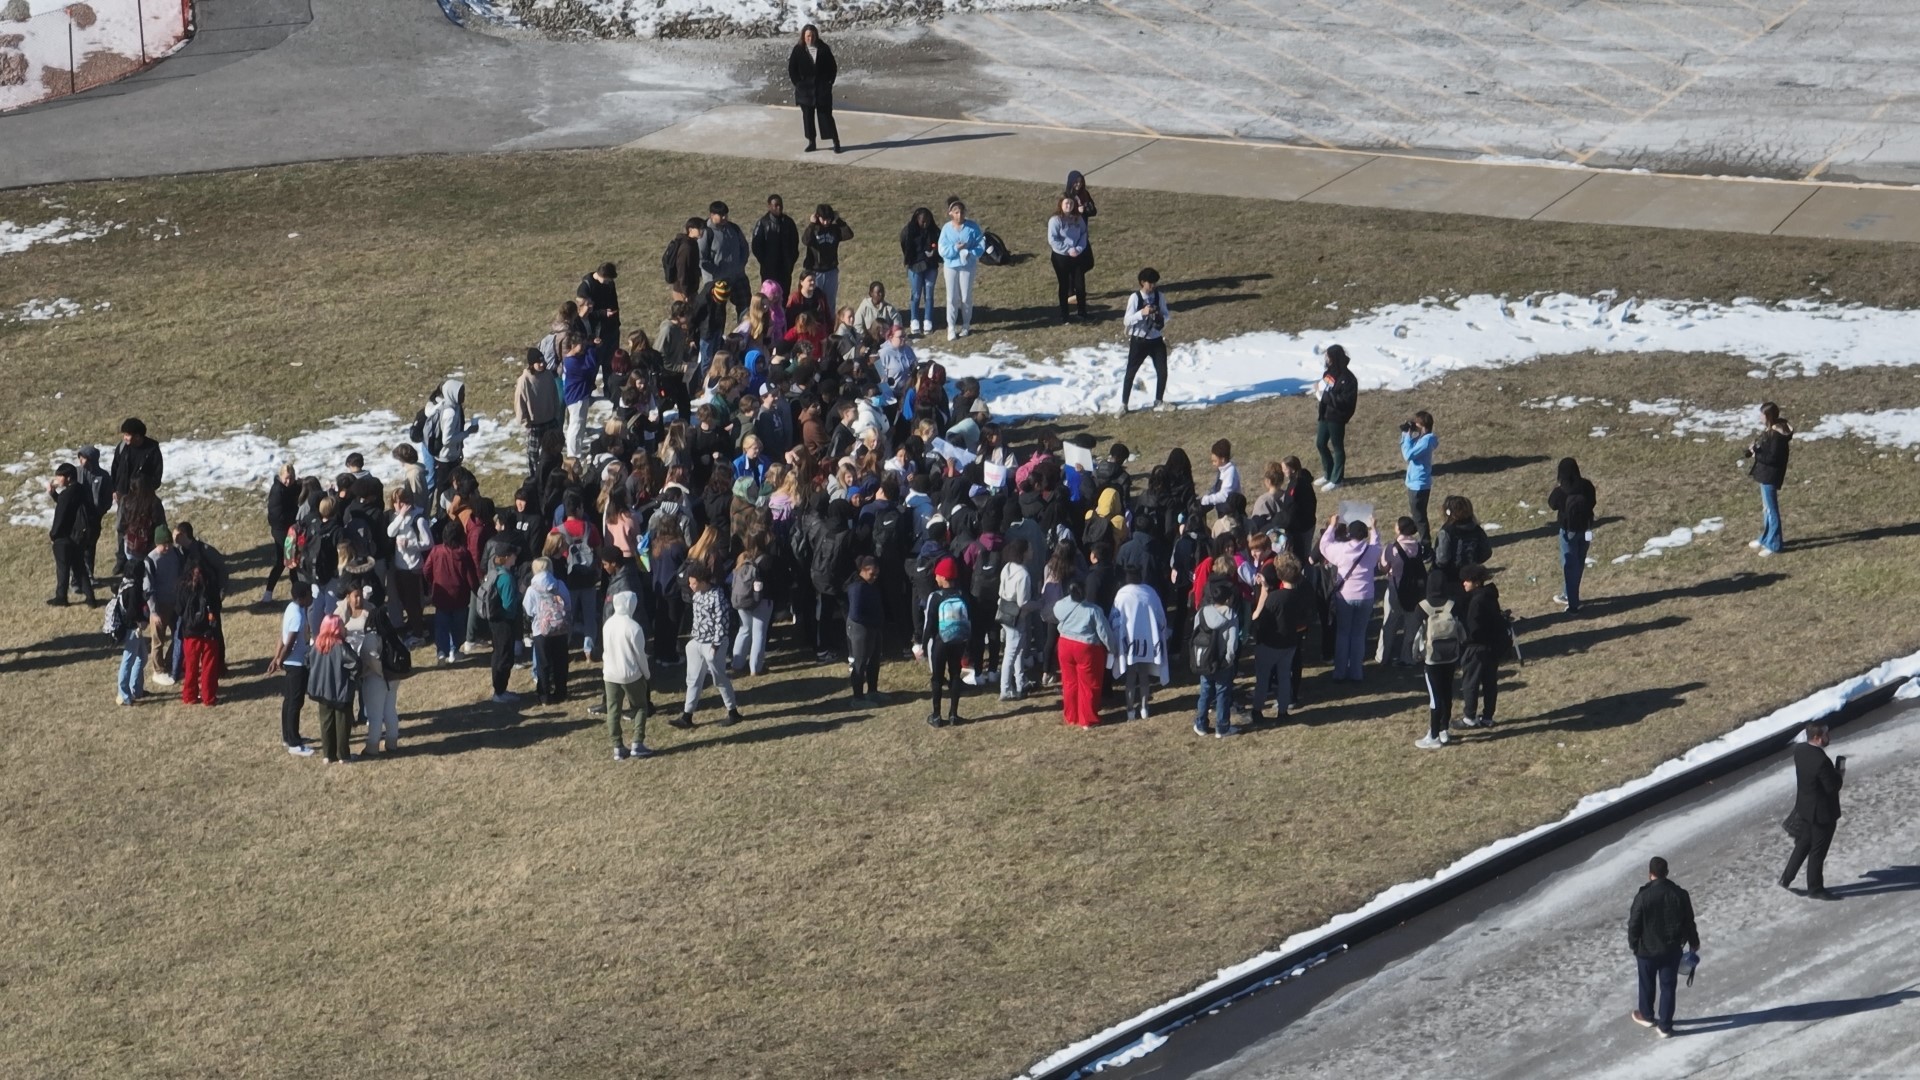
[133, 668]
[1350, 636]
[1664, 971]
[1573, 565]
[449, 627]
[1216, 693]
[828, 281]
[920, 296]
[1770, 536]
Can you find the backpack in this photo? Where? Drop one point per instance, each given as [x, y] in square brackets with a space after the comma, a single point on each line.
[488, 602]
[955, 622]
[320, 557]
[1440, 638]
[580, 556]
[889, 537]
[293, 548]
[1413, 578]
[743, 597]
[986, 575]
[396, 661]
[417, 431]
[1207, 652]
[996, 253]
[670, 258]
[116, 621]
[1579, 512]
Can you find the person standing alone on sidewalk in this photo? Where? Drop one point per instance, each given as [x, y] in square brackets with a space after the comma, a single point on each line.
[1660, 929]
[1816, 811]
[1146, 323]
[812, 70]
[1339, 394]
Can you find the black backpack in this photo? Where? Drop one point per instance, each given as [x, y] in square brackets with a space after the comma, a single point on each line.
[1413, 578]
[1207, 652]
[986, 575]
[889, 535]
[1579, 512]
[996, 253]
[670, 258]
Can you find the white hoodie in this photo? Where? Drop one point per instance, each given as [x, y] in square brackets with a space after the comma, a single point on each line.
[410, 539]
[449, 414]
[623, 644]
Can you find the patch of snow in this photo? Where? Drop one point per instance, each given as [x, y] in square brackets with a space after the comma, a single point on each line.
[1892, 427]
[1815, 706]
[17, 238]
[1692, 420]
[1678, 538]
[1597, 433]
[715, 18]
[1566, 402]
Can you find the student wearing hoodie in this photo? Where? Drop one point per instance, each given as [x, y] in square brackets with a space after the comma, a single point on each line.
[1354, 558]
[1572, 500]
[920, 251]
[1417, 443]
[451, 578]
[1769, 453]
[624, 673]
[1140, 642]
[412, 536]
[945, 627]
[1339, 394]
[984, 562]
[1405, 561]
[499, 601]
[822, 239]
[1218, 620]
[1486, 629]
[537, 405]
[547, 603]
[1072, 255]
[576, 369]
[776, 246]
[445, 432]
[1280, 619]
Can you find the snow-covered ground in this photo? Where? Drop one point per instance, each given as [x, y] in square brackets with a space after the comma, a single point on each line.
[1397, 347]
[1678, 538]
[15, 238]
[720, 18]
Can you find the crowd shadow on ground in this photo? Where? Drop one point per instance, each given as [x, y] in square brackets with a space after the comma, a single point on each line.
[1806, 1012]
[57, 652]
[1881, 532]
[1744, 581]
[1594, 714]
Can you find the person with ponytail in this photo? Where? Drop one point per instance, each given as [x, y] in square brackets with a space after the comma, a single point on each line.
[1769, 454]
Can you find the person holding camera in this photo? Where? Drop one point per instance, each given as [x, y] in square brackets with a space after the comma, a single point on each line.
[1769, 454]
[1417, 443]
[1146, 323]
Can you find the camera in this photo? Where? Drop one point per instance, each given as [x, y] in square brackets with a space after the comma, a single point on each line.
[1407, 427]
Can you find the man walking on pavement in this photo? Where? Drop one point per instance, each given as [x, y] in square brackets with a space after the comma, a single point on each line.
[1816, 811]
[1659, 930]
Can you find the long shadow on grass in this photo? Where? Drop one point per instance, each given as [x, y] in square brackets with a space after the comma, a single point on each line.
[1486, 464]
[802, 697]
[1224, 281]
[1500, 540]
[749, 733]
[1882, 532]
[58, 652]
[1744, 581]
[1613, 710]
[247, 681]
[1578, 641]
[485, 726]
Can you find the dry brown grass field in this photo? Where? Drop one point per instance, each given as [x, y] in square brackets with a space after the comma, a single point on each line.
[825, 892]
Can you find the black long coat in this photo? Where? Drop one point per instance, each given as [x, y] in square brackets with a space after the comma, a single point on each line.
[812, 77]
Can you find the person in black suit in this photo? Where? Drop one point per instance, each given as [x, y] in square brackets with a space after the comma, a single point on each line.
[1660, 929]
[812, 70]
[1816, 810]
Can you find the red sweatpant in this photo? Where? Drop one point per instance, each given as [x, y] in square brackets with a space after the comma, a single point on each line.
[1081, 666]
[199, 671]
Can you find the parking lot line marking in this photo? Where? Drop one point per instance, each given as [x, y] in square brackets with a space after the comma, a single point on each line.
[1705, 14]
[1623, 42]
[1562, 46]
[1575, 87]
[1879, 111]
[1068, 90]
[1662, 29]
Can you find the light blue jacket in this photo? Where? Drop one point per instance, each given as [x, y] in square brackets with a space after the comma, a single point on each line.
[1064, 234]
[961, 246]
[1419, 455]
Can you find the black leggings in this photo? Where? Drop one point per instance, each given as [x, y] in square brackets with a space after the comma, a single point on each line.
[276, 557]
[944, 659]
[1069, 275]
[503, 634]
[293, 697]
[1480, 682]
[1138, 350]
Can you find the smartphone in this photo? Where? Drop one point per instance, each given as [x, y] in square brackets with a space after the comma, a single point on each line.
[1840, 763]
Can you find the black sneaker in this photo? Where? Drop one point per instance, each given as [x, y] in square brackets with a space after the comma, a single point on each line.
[933, 720]
[684, 722]
[955, 719]
[597, 710]
[732, 718]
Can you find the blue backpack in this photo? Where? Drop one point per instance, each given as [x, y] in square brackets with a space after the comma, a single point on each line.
[955, 621]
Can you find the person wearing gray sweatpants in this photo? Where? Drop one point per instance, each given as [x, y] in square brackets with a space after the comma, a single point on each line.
[707, 648]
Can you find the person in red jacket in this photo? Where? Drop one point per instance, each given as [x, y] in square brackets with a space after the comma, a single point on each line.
[450, 578]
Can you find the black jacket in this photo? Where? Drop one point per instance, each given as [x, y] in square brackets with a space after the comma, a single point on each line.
[132, 460]
[823, 243]
[98, 484]
[283, 504]
[599, 303]
[1339, 400]
[1575, 508]
[1770, 458]
[1486, 625]
[920, 248]
[776, 243]
[1661, 922]
[1816, 799]
[812, 77]
[69, 513]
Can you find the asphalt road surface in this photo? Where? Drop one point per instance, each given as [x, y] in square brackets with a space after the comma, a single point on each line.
[1781, 88]
[1529, 977]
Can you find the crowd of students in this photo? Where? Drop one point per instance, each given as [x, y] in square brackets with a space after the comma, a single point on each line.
[756, 484]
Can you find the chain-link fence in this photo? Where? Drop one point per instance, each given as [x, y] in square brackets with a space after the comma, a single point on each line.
[49, 50]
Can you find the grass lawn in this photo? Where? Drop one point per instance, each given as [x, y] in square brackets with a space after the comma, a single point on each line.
[826, 893]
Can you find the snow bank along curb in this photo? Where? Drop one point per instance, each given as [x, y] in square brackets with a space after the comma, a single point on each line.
[1740, 747]
[715, 18]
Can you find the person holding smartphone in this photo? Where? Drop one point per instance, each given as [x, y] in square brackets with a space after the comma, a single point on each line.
[1816, 811]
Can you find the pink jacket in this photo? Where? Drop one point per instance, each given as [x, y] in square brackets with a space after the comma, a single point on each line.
[1355, 561]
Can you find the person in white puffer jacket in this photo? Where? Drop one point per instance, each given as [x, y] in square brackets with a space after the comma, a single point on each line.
[412, 536]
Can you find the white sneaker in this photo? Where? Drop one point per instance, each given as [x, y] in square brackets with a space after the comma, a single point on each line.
[161, 678]
[965, 330]
[951, 335]
[1161, 406]
[1430, 743]
[970, 677]
[1331, 487]
[302, 750]
[474, 648]
[1754, 544]
[1446, 737]
[1561, 599]
[1143, 710]
[1120, 410]
[1320, 482]
[1766, 553]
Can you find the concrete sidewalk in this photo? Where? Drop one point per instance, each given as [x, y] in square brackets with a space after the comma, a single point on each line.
[1295, 174]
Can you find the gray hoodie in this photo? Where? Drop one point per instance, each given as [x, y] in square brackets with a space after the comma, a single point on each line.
[448, 416]
[723, 253]
[1224, 619]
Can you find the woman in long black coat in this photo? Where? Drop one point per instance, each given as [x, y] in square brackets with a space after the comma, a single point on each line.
[812, 70]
